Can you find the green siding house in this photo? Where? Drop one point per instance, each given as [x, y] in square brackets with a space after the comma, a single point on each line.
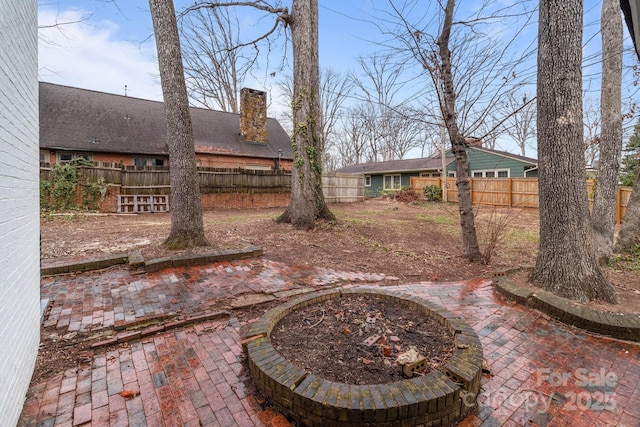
[383, 177]
[393, 175]
[486, 163]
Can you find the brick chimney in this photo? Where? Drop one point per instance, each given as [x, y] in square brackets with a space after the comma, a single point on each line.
[473, 142]
[253, 115]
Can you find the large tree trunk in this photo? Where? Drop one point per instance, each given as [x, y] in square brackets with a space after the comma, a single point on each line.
[187, 228]
[566, 263]
[604, 204]
[458, 145]
[307, 200]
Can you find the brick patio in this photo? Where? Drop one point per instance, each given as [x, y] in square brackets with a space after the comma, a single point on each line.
[542, 372]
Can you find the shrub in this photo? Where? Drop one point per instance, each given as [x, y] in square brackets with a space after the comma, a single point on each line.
[432, 193]
[57, 193]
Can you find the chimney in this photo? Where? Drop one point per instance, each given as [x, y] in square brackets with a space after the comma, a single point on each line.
[253, 115]
[473, 142]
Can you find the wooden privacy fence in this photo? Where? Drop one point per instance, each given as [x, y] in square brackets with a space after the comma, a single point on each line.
[150, 180]
[509, 192]
[342, 187]
[154, 180]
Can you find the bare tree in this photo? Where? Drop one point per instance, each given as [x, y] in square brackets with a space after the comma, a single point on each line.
[470, 71]
[458, 146]
[307, 202]
[566, 264]
[214, 63]
[187, 229]
[521, 120]
[396, 132]
[592, 127]
[353, 143]
[334, 90]
[604, 203]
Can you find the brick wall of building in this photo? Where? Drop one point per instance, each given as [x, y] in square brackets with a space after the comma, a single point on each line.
[19, 204]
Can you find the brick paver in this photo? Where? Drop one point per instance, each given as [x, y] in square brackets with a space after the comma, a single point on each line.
[542, 372]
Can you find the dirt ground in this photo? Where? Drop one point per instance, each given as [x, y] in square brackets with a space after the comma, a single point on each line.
[362, 340]
[414, 242]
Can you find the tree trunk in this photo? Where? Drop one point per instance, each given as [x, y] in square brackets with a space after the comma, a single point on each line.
[458, 145]
[604, 204]
[566, 263]
[307, 200]
[187, 228]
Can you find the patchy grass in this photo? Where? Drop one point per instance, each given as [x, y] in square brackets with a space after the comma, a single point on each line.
[516, 237]
[438, 219]
[358, 221]
[450, 223]
[627, 261]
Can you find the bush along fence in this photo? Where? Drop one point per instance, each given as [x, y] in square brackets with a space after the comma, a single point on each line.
[509, 192]
[103, 186]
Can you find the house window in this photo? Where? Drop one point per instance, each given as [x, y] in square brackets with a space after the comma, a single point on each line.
[67, 157]
[430, 174]
[502, 173]
[451, 174]
[367, 180]
[392, 182]
[259, 167]
[148, 161]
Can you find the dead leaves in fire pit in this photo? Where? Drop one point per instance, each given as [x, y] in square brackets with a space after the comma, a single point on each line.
[360, 338]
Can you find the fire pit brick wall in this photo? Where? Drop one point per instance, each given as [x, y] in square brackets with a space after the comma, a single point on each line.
[438, 398]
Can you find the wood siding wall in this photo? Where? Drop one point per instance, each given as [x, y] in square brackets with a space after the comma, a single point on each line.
[484, 161]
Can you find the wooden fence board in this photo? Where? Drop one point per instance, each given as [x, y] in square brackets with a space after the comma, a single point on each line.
[511, 192]
[342, 187]
[155, 180]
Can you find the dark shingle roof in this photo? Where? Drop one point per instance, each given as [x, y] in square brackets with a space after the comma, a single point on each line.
[405, 165]
[71, 118]
[507, 154]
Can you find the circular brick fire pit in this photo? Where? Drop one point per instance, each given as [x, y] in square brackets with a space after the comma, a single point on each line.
[437, 398]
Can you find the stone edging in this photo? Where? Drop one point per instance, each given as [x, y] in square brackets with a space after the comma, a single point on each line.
[617, 325]
[136, 261]
[434, 399]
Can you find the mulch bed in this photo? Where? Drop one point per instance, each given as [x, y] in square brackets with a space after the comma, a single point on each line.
[357, 339]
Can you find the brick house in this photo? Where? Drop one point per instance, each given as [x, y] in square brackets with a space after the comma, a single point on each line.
[20, 303]
[119, 129]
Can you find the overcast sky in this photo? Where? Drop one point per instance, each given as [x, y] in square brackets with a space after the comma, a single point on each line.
[112, 44]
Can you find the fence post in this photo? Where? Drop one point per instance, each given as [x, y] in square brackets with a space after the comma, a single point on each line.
[619, 205]
[509, 196]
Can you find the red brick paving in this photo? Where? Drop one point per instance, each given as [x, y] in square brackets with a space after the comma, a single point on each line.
[543, 373]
